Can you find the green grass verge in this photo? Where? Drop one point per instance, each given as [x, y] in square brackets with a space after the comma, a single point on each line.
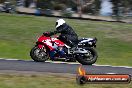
[18, 34]
[49, 81]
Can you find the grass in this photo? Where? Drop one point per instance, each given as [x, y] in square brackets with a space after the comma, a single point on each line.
[18, 34]
[49, 81]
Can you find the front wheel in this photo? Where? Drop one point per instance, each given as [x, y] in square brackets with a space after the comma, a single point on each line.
[89, 58]
[38, 55]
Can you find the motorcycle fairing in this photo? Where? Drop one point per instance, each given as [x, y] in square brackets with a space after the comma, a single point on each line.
[52, 43]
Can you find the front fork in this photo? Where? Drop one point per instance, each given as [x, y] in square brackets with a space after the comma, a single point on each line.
[42, 48]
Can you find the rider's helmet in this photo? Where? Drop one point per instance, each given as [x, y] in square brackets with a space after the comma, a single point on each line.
[59, 22]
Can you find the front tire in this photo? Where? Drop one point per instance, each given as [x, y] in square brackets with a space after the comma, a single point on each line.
[85, 59]
[38, 55]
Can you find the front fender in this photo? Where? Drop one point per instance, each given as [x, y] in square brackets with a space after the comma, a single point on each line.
[41, 45]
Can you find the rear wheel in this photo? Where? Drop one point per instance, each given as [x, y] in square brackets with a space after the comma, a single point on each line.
[38, 55]
[88, 58]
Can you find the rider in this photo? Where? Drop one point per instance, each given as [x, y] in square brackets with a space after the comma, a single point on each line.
[67, 34]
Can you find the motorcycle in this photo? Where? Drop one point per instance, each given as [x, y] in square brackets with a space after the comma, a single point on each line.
[7, 7]
[48, 47]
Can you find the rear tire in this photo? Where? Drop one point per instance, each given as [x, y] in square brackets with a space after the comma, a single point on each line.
[38, 55]
[87, 60]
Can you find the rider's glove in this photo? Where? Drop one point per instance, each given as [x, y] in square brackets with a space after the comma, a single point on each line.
[47, 34]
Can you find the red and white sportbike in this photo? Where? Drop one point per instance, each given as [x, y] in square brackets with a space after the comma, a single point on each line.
[52, 48]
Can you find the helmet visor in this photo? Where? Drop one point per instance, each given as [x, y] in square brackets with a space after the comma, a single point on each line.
[56, 24]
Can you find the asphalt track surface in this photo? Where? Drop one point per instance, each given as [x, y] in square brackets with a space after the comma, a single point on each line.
[20, 65]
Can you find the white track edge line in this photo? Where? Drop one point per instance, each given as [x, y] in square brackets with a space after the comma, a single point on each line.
[113, 66]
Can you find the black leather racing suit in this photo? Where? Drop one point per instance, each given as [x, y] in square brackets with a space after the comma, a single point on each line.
[68, 36]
